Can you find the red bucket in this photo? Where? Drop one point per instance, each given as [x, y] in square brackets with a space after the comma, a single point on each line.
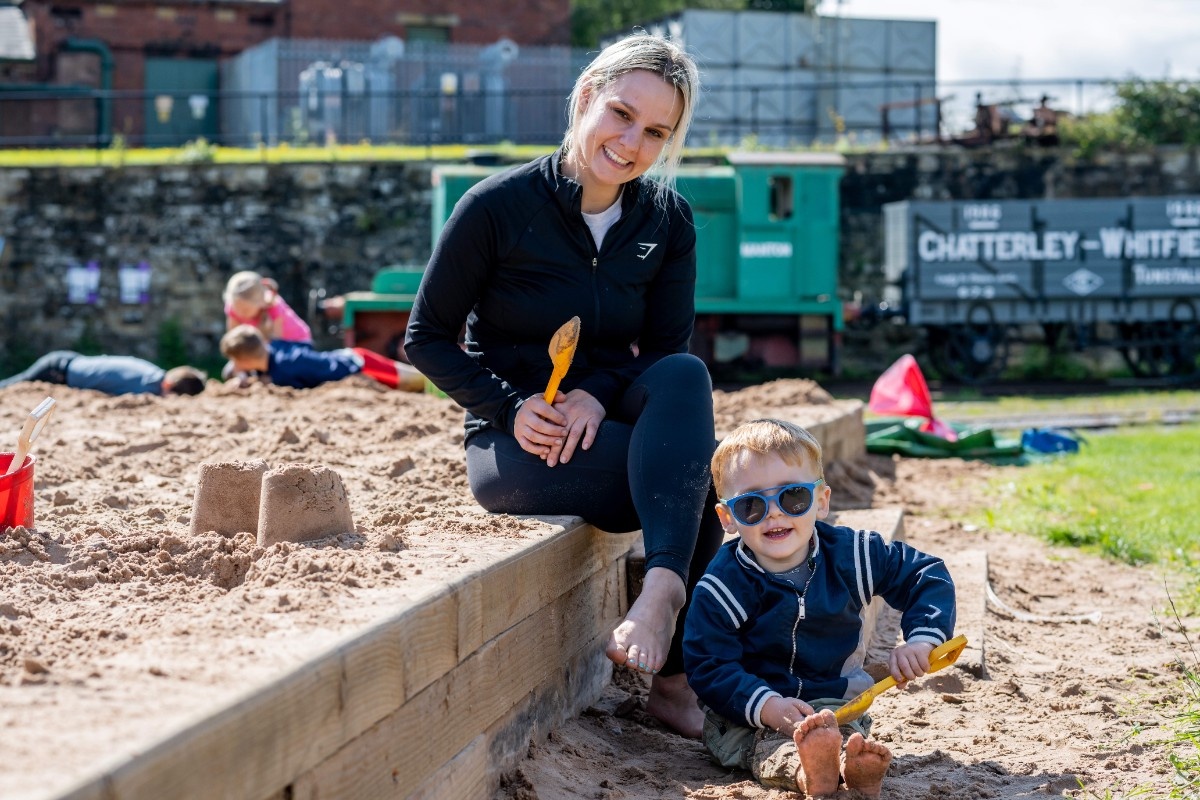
[16, 493]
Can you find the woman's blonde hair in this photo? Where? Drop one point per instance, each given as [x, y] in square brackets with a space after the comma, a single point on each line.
[763, 437]
[653, 54]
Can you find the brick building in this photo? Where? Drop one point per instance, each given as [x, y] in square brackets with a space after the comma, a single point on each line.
[159, 56]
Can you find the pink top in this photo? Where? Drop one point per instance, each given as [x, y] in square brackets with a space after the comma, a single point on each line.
[287, 324]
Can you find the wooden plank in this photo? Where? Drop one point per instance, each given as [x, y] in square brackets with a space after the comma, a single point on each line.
[969, 568]
[519, 586]
[255, 745]
[887, 521]
[881, 621]
[407, 747]
[475, 773]
[839, 428]
[470, 621]
[273, 733]
[561, 697]
[464, 777]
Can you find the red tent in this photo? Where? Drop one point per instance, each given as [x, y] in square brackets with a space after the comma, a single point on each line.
[901, 391]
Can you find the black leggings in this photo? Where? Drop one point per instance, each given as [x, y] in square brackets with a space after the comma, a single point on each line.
[648, 468]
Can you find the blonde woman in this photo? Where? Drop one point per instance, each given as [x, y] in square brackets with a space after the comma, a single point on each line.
[626, 443]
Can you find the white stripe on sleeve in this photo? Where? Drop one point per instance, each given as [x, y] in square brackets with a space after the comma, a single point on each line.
[725, 597]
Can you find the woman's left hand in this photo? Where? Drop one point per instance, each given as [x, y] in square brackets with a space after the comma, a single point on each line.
[584, 414]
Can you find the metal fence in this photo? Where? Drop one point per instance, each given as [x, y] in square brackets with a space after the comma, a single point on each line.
[433, 109]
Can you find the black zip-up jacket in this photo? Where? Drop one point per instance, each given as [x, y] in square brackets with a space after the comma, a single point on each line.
[516, 260]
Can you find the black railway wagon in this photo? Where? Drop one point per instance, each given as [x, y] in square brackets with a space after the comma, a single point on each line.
[1122, 273]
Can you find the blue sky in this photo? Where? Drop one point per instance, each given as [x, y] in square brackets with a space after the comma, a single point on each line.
[1031, 39]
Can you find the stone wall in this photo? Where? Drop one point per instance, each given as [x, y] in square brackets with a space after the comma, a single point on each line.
[308, 226]
[332, 226]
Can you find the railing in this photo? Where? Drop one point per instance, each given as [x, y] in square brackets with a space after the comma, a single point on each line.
[783, 113]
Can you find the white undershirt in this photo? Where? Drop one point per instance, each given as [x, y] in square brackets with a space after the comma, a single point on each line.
[600, 223]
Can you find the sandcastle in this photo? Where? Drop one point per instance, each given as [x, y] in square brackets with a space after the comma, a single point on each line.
[291, 502]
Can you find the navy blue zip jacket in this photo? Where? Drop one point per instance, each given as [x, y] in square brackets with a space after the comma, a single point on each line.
[750, 636]
[298, 365]
[516, 260]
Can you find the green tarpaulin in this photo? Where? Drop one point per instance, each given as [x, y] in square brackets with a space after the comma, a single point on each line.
[903, 435]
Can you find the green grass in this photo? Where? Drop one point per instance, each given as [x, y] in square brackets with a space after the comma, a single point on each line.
[966, 405]
[1184, 743]
[202, 152]
[1130, 494]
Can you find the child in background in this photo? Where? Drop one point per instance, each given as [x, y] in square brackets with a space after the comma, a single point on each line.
[299, 366]
[251, 299]
[774, 641]
[113, 375]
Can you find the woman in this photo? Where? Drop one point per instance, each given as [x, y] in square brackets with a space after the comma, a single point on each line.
[627, 441]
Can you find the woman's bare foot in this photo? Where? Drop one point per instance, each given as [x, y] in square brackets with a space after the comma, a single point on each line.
[865, 764]
[642, 639]
[819, 743]
[673, 703]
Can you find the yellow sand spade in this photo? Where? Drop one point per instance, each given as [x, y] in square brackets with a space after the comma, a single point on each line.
[562, 351]
[943, 655]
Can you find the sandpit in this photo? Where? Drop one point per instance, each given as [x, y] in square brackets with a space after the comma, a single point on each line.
[120, 625]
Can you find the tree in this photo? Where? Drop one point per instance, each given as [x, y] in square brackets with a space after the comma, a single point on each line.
[592, 20]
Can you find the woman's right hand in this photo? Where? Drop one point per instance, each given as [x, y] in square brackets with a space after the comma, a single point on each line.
[539, 426]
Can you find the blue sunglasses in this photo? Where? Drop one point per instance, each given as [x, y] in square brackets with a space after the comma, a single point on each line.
[793, 499]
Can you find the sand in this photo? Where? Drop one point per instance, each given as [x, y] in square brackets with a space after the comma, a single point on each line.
[118, 623]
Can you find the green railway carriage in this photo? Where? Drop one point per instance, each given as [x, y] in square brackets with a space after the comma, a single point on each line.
[980, 275]
[767, 262]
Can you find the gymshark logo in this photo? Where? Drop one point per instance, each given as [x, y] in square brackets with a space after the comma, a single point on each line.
[649, 249]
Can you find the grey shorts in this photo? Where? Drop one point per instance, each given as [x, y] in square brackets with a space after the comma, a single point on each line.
[768, 755]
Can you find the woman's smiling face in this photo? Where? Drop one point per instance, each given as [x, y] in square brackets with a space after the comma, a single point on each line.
[622, 129]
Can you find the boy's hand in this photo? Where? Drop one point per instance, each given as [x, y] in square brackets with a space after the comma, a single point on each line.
[784, 714]
[909, 661]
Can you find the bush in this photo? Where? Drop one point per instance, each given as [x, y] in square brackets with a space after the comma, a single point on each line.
[1161, 112]
[172, 348]
[1148, 113]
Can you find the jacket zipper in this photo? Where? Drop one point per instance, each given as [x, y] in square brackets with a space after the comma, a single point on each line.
[801, 613]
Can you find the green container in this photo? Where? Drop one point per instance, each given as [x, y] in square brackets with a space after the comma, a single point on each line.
[450, 183]
[767, 234]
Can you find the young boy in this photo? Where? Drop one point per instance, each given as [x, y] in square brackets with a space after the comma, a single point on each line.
[299, 366]
[114, 375]
[774, 640]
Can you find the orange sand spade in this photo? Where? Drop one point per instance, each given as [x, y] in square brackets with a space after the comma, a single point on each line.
[943, 655]
[562, 351]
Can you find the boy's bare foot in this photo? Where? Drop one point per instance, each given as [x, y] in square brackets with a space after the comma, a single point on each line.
[819, 743]
[641, 641]
[865, 764]
[673, 702]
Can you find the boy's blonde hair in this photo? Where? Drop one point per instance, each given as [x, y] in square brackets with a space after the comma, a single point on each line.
[247, 286]
[787, 440]
[243, 341]
[654, 54]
